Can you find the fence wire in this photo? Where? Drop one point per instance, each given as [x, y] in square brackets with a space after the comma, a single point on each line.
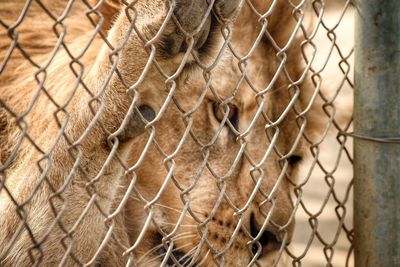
[176, 133]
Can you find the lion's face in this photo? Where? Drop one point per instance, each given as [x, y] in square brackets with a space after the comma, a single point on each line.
[212, 177]
[213, 184]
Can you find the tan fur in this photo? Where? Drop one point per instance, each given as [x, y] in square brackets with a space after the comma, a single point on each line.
[18, 87]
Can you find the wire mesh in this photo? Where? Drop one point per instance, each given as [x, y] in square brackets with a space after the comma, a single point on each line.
[175, 133]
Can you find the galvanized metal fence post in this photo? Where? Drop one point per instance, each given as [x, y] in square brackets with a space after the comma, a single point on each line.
[377, 131]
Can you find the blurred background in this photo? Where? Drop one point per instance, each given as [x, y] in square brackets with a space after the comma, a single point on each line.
[324, 219]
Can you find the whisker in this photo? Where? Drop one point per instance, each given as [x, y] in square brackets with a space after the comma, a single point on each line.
[188, 254]
[149, 252]
[184, 225]
[184, 234]
[167, 207]
[204, 259]
[183, 237]
[163, 254]
[176, 238]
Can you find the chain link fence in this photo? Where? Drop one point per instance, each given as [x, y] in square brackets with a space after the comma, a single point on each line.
[176, 133]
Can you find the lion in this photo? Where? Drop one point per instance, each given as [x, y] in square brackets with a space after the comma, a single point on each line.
[150, 132]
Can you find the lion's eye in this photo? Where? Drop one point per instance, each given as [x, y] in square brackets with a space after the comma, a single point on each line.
[147, 112]
[220, 110]
[293, 160]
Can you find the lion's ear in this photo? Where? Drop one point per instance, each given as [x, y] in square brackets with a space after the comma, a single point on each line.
[109, 9]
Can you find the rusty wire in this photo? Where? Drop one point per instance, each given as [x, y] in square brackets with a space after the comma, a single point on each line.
[212, 247]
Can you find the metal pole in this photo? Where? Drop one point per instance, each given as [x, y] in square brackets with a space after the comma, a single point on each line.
[377, 132]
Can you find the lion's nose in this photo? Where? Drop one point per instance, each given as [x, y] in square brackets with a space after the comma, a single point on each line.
[264, 242]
